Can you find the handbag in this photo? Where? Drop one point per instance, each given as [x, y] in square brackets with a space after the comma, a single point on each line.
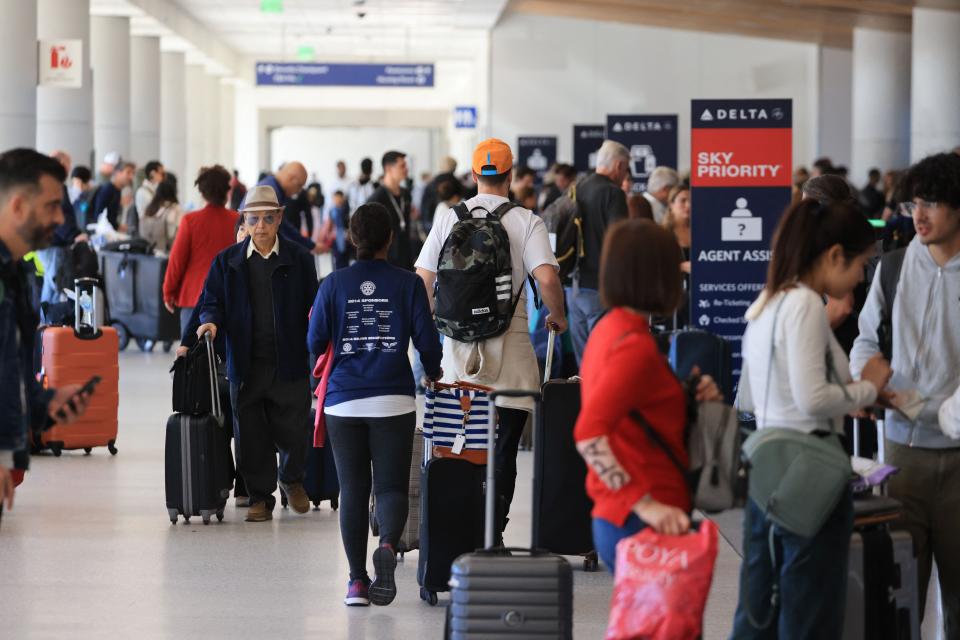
[457, 410]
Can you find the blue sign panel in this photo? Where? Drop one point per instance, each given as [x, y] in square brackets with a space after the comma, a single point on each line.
[317, 74]
[537, 152]
[465, 117]
[652, 141]
[587, 139]
[741, 155]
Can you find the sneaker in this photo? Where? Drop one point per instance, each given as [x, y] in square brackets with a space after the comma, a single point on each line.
[358, 594]
[242, 501]
[384, 589]
[296, 496]
[259, 513]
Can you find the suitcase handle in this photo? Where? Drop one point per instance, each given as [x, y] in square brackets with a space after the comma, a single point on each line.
[491, 500]
[551, 342]
[212, 366]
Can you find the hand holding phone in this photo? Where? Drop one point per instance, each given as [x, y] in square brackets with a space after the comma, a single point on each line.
[69, 402]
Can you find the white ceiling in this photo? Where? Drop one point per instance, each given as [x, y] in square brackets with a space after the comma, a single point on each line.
[395, 29]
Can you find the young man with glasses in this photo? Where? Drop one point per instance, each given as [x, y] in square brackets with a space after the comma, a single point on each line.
[259, 294]
[924, 325]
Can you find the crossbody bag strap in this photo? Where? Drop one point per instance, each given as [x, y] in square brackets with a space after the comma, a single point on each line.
[658, 440]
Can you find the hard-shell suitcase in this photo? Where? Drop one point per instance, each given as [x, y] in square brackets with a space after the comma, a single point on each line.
[198, 462]
[689, 348]
[410, 538]
[878, 608]
[134, 286]
[509, 593]
[73, 355]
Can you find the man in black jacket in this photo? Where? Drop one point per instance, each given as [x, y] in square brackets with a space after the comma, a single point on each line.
[430, 200]
[398, 202]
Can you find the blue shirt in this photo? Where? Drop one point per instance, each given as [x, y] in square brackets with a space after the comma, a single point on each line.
[369, 312]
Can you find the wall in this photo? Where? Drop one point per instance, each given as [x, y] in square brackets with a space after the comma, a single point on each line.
[550, 73]
[836, 107]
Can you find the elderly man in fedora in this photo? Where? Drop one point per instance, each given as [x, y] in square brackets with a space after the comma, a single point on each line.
[258, 294]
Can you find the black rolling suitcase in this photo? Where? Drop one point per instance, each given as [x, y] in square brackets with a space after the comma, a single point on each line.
[561, 508]
[198, 464]
[320, 481]
[509, 593]
[134, 286]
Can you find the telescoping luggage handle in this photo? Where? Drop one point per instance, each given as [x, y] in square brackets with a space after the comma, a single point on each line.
[491, 500]
[212, 367]
[86, 308]
[551, 342]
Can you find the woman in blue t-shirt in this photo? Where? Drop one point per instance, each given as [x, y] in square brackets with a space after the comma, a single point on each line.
[366, 315]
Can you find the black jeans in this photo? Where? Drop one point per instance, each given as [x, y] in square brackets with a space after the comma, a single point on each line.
[510, 430]
[387, 444]
[270, 415]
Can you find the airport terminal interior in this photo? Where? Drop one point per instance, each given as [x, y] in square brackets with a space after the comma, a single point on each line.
[697, 130]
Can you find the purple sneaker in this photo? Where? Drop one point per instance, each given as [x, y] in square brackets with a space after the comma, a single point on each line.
[384, 588]
[358, 594]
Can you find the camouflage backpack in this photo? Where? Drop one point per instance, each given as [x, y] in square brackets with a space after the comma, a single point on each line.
[474, 287]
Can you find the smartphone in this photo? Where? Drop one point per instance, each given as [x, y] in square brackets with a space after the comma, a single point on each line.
[87, 388]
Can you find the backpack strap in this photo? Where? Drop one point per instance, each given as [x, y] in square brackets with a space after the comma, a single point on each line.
[462, 212]
[891, 264]
[502, 210]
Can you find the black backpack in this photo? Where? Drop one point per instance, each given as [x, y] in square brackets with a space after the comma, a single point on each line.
[474, 287]
[564, 223]
[891, 264]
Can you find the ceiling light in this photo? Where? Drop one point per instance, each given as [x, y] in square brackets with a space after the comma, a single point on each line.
[271, 6]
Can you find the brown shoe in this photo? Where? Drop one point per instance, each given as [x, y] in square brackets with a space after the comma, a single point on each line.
[259, 513]
[296, 496]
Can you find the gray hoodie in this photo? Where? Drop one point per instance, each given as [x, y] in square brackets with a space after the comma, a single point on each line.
[926, 342]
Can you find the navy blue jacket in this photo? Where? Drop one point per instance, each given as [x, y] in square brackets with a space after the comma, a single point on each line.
[370, 311]
[188, 336]
[226, 303]
[23, 403]
[288, 230]
[107, 197]
[67, 232]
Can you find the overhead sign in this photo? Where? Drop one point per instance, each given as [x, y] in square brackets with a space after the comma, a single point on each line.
[318, 74]
[652, 141]
[741, 156]
[537, 152]
[587, 139]
[60, 64]
[465, 117]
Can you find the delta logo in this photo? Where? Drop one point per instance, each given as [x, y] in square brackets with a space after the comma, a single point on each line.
[734, 114]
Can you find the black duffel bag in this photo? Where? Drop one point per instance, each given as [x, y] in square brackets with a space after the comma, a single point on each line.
[192, 390]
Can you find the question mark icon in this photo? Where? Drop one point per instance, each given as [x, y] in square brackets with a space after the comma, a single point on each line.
[742, 228]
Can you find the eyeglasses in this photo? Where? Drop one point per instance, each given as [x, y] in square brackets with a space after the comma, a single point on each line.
[254, 220]
[910, 208]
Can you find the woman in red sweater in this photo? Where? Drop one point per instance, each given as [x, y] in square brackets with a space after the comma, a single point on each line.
[201, 236]
[632, 482]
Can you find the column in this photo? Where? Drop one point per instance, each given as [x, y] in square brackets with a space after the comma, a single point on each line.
[227, 119]
[835, 106]
[65, 116]
[935, 98]
[18, 82]
[196, 137]
[881, 100]
[110, 56]
[145, 98]
[211, 146]
[173, 116]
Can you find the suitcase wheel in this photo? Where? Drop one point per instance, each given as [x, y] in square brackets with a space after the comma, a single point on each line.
[335, 503]
[430, 597]
[206, 520]
[87, 450]
[173, 515]
[112, 447]
[590, 562]
[220, 516]
[57, 449]
[186, 519]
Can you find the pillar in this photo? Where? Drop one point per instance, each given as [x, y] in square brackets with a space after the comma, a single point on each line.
[834, 139]
[145, 98]
[65, 116]
[881, 100]
[110, 57]
[227, 119]
[211, 146]
[173, 117]
[18, 82]
[195, 125]
[935, 98]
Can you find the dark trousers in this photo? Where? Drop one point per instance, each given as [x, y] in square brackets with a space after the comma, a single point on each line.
[386, 444]
[812, 573]
[270, 415]
[509, 432]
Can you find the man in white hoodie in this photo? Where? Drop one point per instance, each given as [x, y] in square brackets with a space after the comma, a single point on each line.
[923, 325]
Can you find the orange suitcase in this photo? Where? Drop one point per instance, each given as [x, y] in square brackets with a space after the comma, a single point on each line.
[68, 359]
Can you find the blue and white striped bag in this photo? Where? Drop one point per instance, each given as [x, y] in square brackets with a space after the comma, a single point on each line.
[444, 417]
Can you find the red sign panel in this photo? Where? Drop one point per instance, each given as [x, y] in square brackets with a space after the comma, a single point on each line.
[741, 157]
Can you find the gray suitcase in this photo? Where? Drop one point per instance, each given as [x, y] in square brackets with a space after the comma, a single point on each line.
[410, 538]
[499, 593]
[905, 593]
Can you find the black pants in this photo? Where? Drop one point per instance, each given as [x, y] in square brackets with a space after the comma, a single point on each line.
[510, 430]
[387, 444]
[270, 415]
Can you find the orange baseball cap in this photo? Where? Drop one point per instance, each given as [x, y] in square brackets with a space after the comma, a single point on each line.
[492, 157]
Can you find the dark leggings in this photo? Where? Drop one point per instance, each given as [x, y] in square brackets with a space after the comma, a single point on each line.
[387, 444]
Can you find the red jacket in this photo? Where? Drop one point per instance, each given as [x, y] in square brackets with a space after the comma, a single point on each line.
[623, 370]
[201, 236]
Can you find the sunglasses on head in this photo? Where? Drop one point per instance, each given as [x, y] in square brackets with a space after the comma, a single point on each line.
[254, 219]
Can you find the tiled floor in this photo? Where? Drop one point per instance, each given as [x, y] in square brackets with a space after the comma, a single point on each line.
[88, 552]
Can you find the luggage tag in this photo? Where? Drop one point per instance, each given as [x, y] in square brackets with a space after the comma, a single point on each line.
[460, 441]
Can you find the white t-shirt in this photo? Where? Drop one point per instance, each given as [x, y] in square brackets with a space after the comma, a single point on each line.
[374, 407]
[793, 391]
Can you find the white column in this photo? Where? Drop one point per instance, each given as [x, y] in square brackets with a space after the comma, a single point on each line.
[881, 100]
[145, 98]
[18, 82]
[196, 136]
[65, 116]
[935, 98]
[110, 58]
[835, 100]
[173, 116]
[227, 119]
[211, 146]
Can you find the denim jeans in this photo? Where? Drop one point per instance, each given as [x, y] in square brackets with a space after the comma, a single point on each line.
[50, 259]
[606, 535]
[584, 310]
[811, 572]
